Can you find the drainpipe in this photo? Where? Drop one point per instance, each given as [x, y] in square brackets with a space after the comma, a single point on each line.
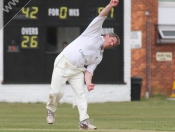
[148, 53]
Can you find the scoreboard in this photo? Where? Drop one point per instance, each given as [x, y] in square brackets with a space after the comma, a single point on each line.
[34, 37]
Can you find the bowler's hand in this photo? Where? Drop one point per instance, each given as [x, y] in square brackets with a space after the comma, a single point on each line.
[90, 86]
[114, 2]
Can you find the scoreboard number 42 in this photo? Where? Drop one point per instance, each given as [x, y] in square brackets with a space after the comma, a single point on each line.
[30, 12]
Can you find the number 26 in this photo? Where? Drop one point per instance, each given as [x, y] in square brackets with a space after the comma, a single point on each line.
[29, 42]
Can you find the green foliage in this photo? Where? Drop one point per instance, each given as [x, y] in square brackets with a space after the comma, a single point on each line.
[148, 115]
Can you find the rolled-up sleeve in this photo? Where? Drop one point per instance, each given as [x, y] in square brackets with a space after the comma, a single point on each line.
[91, 68]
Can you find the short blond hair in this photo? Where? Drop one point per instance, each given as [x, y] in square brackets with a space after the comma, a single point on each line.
[115, 35]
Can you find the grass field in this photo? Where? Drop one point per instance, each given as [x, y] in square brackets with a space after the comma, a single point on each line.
[147, 115]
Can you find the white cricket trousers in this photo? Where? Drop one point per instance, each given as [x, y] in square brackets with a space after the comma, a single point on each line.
[64, 71]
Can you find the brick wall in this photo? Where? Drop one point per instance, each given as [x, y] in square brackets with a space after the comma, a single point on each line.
[158, 76]
[141, 58]
[163, 72]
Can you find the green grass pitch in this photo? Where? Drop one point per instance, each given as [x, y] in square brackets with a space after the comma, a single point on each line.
[147, 115]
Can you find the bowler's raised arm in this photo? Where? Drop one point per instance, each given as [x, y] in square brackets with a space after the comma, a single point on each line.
[107, 9]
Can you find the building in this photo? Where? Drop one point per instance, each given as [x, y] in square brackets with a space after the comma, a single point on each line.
[153, 53]
[148, 37]
[29, 39]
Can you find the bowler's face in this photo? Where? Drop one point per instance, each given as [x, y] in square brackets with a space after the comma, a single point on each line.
[109, 42]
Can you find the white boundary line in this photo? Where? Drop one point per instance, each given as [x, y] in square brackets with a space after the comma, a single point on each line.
[76, 130]
[15, 15]
[64, 130]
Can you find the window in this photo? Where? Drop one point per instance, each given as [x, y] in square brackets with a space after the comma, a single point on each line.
[59, 37]
[166, 11]
[167, 32]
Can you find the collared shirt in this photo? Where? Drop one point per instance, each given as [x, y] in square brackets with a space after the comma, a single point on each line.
[86, 49]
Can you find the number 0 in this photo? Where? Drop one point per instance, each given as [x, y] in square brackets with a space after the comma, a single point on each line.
[63, 12]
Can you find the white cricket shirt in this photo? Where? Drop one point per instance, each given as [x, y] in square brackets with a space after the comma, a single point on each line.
[86, 49]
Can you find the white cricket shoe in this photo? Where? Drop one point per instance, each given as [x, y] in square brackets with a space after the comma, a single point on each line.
[50, 117]
[85, 125]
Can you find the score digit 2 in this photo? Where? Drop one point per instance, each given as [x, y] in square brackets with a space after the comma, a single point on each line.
[29, 42]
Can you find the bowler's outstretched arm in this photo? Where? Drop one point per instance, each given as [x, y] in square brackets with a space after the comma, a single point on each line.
[107, 9]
